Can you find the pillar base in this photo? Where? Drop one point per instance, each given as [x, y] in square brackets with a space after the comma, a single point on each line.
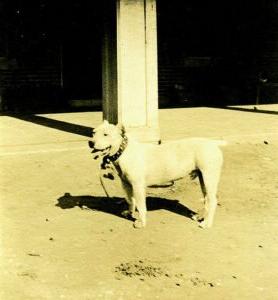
[144, 134]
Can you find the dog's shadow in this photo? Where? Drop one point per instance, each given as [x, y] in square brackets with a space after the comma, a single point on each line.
[116, 205]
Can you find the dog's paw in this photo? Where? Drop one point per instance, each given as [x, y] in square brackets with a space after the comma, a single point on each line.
[126, 214]
[205, 224]
[197, 217]
[138, 224]
[202, 222]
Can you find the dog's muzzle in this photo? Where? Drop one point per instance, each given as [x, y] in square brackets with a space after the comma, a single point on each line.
[92, 146]
[95, 150]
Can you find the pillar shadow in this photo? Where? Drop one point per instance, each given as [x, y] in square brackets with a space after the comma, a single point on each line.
[248, 109]
[56, 124]
[116, 205]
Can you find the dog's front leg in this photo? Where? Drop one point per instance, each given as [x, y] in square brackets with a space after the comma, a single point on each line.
[129, 199]
[139, 195]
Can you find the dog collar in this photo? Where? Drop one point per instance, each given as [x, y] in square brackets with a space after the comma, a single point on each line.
[111, 158]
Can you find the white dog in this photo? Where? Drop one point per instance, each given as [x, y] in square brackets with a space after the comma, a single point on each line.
[140, 165]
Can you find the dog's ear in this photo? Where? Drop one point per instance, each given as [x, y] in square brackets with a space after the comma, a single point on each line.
[122, 129]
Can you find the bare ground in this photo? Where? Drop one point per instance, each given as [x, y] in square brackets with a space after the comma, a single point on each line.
[62, 239]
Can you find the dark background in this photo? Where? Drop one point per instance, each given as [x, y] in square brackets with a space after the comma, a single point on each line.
[209, 52]
[218, 52]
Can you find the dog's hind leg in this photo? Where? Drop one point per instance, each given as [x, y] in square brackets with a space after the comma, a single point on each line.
[139, 194]
[211, 179]
[199, 216]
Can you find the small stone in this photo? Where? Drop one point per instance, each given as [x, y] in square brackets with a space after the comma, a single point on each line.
[211, 284]
[33, 254]
[267, 158]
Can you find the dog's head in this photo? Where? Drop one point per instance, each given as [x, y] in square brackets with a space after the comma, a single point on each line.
[107, 137]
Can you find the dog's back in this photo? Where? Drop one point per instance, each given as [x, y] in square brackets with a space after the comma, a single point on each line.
[175, 159]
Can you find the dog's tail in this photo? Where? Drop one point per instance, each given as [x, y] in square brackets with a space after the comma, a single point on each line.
[221, 142]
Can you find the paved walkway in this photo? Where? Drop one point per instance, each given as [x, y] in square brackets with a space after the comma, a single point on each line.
[60, 238]
[60, 132]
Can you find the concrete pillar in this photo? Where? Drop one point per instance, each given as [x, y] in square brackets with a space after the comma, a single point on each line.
[130, 83]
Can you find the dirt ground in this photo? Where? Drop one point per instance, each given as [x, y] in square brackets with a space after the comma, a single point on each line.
[63, 239]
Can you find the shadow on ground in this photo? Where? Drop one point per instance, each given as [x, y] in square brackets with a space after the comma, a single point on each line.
[56, 124]
[116, 205]
[255, 109]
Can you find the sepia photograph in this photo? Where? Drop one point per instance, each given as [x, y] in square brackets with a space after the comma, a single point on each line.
[138, 150]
